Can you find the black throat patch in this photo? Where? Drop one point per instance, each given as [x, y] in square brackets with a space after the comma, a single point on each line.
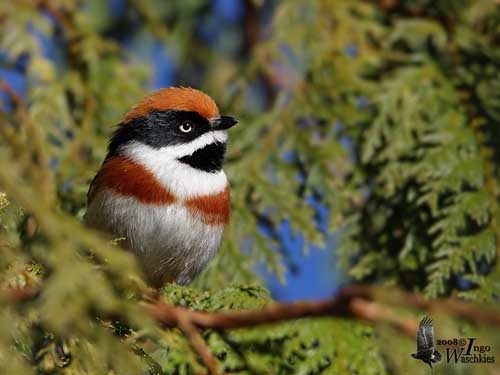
[209, 158]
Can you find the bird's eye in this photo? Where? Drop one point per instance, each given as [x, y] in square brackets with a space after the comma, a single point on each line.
[185, 127]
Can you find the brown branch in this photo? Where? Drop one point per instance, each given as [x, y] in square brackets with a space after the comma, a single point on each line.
[14, 97]
[359, 302]
[374, 312]
[16, 295]
[354, 302]
[197, 342]
[455, 307]
[397, 6]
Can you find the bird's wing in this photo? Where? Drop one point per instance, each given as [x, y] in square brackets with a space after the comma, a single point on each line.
[425, 336]
[92, 186]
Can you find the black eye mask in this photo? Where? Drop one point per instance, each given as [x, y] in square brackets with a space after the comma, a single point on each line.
[163, 128]
[159, 129]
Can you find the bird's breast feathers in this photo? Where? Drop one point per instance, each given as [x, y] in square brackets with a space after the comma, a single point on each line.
[205, 195]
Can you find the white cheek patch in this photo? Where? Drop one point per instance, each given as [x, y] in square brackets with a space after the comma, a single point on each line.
[181, 179]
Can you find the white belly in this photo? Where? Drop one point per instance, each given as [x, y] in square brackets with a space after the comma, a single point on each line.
[169, 242]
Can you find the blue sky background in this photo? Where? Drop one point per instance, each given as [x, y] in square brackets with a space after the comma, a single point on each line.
[311, 276]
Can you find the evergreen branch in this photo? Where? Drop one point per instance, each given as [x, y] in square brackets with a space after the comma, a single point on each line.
[177, 315]
[489, 176]
[39, 159]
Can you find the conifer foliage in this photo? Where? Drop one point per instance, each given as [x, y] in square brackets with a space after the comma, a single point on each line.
[385, 111]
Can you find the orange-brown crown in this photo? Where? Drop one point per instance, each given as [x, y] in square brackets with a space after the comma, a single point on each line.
[175, 98]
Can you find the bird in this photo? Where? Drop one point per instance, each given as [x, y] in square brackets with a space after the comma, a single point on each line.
[161, 185]
[426, 351]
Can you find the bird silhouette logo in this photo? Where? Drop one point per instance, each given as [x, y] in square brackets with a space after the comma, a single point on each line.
[426, 351]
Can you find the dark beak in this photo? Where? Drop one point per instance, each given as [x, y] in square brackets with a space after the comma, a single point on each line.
[223, 123]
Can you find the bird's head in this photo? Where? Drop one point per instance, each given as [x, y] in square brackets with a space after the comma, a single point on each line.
[178, 125]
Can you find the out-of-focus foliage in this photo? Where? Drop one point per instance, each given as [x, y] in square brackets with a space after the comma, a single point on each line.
[386, 112]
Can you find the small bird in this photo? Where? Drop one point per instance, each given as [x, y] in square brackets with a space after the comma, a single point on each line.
[426, 351]
[161, 185]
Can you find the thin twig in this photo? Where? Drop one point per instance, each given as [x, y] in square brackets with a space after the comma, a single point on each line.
[374, 312]
[454, 307]
[397, 6]
[196, 340]
[17, 294]
[14, 97]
